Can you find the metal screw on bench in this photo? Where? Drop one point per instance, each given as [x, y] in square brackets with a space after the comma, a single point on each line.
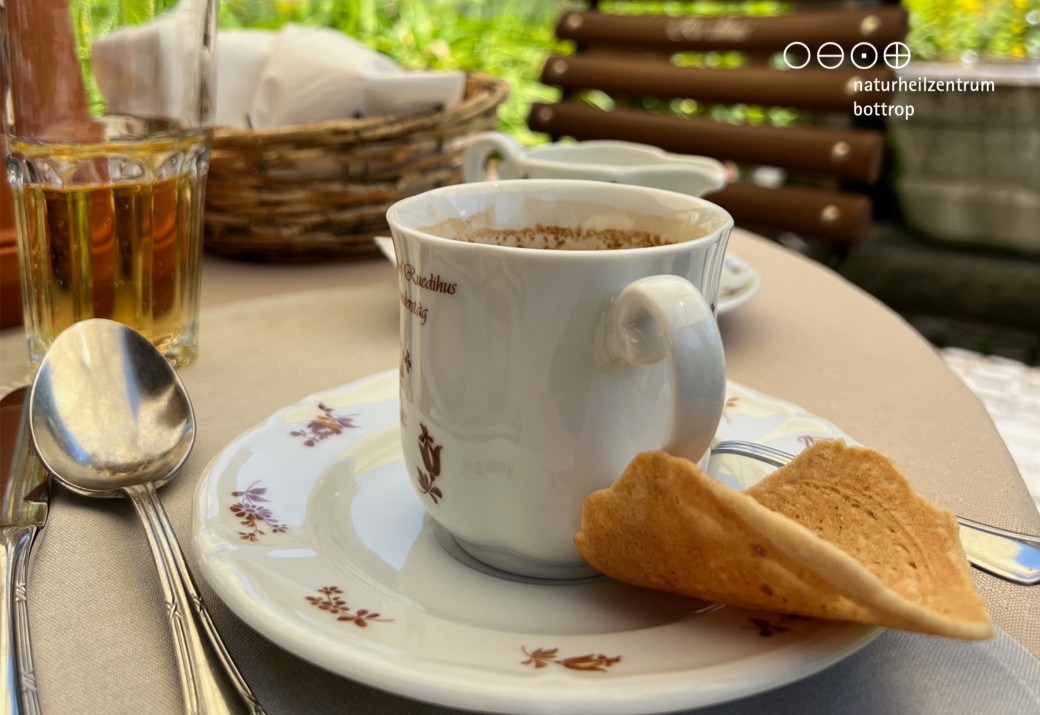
[870, 25]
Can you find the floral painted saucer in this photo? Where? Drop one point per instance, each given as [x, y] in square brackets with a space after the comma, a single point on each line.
[307, 527]
[739, 283]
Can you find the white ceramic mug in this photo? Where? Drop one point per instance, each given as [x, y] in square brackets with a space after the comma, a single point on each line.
[615, 161]
[531, 376]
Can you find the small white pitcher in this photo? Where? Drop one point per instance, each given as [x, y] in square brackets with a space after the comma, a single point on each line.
[615, 161]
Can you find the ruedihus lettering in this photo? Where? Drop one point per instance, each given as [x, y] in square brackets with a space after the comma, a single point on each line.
[431, 282]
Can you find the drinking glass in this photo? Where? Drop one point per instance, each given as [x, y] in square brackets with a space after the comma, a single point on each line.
[106, 139]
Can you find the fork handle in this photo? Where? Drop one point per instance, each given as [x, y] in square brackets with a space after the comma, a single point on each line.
[210, 681]
[16, 661]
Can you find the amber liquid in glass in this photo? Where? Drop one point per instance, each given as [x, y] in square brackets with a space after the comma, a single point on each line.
[112, 231]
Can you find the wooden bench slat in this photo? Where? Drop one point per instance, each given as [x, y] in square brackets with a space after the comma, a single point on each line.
[879, 26]
[843, 153]
[833, 217]
[811, 89]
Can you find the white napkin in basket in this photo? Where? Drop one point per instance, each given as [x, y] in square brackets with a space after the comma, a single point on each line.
[140, 69]
[266, 79]
[316, 74]
[241, 58]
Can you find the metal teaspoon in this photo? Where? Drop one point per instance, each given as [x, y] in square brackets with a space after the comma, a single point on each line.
[109, 416]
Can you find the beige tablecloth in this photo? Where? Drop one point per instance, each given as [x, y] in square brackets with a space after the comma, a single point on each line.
[273, 334]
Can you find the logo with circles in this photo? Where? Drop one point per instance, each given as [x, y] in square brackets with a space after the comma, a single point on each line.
[831, 55]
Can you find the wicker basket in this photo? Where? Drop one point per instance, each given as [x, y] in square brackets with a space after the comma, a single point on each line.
[320, 191]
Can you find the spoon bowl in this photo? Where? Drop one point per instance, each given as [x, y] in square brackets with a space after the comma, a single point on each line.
[109, 416]
[106, 414]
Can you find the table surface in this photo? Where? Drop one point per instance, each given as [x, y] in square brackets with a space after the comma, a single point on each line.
[272, 334]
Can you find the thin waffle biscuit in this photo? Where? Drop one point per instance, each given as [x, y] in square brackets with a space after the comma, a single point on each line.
[838, 533]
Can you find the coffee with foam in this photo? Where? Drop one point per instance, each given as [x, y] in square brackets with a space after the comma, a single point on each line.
[609, 231]
[560, 238]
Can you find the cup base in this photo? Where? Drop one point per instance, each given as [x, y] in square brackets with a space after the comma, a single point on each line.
[451, 546]
[514, 564]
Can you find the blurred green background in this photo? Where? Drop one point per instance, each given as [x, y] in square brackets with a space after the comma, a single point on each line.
[511, 38]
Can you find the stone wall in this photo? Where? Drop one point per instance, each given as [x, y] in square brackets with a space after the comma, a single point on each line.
[968, 160]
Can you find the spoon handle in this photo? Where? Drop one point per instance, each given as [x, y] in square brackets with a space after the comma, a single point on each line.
[210, 681]
[1009, 555]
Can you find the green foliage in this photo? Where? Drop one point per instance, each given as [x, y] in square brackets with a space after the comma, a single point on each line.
[983, 29]
[512, 38]
[506, 38]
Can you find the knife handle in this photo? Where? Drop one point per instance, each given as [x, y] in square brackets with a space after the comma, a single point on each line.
[16, 661]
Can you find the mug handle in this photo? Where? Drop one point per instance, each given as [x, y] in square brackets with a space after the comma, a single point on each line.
[667, 317]
[480, 149]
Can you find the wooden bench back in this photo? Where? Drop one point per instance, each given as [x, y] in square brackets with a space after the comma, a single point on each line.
[830, 163]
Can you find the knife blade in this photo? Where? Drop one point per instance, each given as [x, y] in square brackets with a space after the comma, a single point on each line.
[24, 499]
